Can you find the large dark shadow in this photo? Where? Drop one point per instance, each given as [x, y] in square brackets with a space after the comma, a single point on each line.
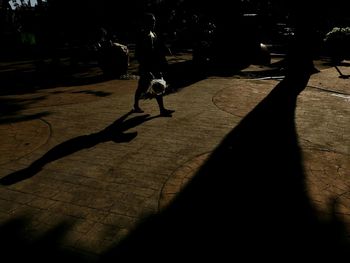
[10, 110]
[17, 246]
[19, 79]
[114, 132]
[183, 74]
[248, 202]
[28, 77]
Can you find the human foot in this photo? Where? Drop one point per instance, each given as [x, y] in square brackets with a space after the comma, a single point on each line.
[166, 112]
[137, 110]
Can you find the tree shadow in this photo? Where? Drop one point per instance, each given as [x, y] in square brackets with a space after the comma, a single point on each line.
[248, 201]
[182, 74]
[16, 244]
[114, 132]
[28, 78]
[266, 73]
[10, 109]
[95, 93]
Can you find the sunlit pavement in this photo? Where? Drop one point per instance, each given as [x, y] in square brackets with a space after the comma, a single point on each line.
[98, 181]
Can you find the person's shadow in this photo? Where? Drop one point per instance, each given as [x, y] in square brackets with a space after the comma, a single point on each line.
[114, 132]
[248, 202]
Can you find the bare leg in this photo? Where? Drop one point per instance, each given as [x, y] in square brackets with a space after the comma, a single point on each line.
[162, 109]
[138, 93]
[160, 103]
[140, 88]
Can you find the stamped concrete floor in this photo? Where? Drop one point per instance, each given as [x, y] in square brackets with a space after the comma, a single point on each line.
[75, 160]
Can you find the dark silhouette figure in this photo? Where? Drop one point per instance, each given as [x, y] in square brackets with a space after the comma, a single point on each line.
[248, 202]
[114, 132]
[112, 56]
[150, 52]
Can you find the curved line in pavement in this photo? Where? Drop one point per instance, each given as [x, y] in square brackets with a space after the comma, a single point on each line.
[49, 132]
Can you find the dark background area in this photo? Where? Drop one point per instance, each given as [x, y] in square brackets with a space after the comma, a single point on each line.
[57, 41]
[64, 24]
